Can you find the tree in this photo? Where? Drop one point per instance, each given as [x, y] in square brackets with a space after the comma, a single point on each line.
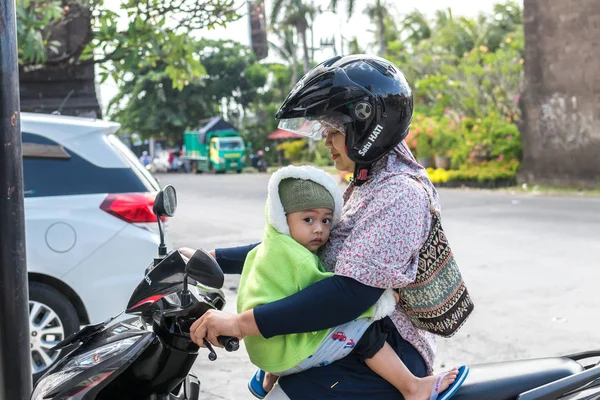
[260, 119]
[376, 13]
[157, 32]
[354, 47]
[298, 14]
[148, 104]
[416, 26]
[35, 22]
[507, 17]
[286, 49]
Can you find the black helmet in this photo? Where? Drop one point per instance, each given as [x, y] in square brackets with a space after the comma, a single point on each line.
[368, 94]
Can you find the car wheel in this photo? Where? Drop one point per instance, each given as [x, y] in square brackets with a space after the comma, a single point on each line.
[52, 318]
[239, 171]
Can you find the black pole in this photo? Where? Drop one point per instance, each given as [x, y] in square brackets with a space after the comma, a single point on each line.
[15, 357]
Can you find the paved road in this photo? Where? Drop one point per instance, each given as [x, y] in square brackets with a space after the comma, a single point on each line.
[531, 264]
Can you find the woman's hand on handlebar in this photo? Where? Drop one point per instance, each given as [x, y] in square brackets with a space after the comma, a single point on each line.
[218, 323]
[188, 253]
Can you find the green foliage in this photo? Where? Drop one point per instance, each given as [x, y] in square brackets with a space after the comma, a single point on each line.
[469, 142]
[446, 137]
[295, 150]
[466, 73]
[257, 129]
[149, 104]
[485, 172]
[491, 171]
[486, 139]
[156, 32]
[322, 155]
[298, 152]
[232, 71]
[422, 132]
[35, 20]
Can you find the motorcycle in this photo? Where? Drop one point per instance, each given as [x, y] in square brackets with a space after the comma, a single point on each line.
[148, 356]
[260, 162]
[262, 165]
[572, 377]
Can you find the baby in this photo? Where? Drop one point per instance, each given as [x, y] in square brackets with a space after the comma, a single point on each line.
[303, 204]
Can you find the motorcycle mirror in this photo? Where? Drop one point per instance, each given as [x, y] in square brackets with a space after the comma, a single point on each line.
[165, 205]
[204, 269]
[165, 202]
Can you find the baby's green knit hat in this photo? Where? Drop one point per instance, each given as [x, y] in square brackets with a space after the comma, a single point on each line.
[302, 194]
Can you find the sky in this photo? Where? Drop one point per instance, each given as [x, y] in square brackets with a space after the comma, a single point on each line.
[327, 25]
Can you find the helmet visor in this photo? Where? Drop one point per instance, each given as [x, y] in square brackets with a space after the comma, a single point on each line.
[315, 128]
[302, 126]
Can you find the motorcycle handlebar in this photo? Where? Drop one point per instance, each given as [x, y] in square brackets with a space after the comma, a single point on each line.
[229, 343]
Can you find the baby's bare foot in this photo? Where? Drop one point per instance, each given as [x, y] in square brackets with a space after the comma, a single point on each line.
[269, 381]
[423, 387]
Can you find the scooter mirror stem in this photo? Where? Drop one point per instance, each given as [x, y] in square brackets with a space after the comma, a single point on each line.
[185, 293]
[162, 248]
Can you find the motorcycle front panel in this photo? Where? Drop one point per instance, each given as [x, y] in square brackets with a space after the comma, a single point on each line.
[162, 279]
[95, 363]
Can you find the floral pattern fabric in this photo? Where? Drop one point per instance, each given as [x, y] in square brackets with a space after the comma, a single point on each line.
[384, 224]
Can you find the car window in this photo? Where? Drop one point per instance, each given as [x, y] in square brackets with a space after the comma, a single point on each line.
[50, 169]
[133, 162]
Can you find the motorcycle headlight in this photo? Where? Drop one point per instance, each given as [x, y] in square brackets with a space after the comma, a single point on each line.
[80, 364]
[51, 382]
[100, 354]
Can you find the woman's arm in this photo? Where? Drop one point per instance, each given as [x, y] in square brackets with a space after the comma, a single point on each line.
[325, 304]
[231, 259]
[328, 303]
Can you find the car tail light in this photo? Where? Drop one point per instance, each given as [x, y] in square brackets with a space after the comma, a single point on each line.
[131, 207]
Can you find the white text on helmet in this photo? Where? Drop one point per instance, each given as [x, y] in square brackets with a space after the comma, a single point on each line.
[372, 137]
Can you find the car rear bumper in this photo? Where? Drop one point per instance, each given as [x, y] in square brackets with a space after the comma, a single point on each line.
[106, 279]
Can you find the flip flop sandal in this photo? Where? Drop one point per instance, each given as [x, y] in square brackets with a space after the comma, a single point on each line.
[452, 389]
[256, 384]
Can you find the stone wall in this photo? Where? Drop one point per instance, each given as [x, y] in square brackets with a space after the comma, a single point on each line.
[561, 96]
[71, 89]
[63, 83]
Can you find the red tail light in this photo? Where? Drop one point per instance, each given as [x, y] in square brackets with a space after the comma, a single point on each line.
[131, 207]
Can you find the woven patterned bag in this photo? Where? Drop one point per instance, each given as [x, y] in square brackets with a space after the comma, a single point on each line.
[438, 300]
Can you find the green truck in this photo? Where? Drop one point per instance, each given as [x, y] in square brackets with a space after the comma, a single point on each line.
[216, 146]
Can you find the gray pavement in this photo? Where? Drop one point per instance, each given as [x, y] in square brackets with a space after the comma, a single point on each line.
[531, 264]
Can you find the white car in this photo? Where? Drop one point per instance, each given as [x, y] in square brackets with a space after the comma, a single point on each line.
[89, 226]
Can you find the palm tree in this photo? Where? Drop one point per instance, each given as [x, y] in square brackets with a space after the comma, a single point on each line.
[354, 47]
[286, 49]
[298, 14]
[507, 18]
[457, 35]
[416, 26]
[377, 13]
[445, 32]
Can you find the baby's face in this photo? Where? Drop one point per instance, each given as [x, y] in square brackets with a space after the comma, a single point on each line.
[310, 228]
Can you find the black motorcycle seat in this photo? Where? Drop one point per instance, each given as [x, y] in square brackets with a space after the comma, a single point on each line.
[506, 380]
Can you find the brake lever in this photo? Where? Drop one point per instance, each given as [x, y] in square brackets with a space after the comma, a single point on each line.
[229, 343]
[212, 356]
